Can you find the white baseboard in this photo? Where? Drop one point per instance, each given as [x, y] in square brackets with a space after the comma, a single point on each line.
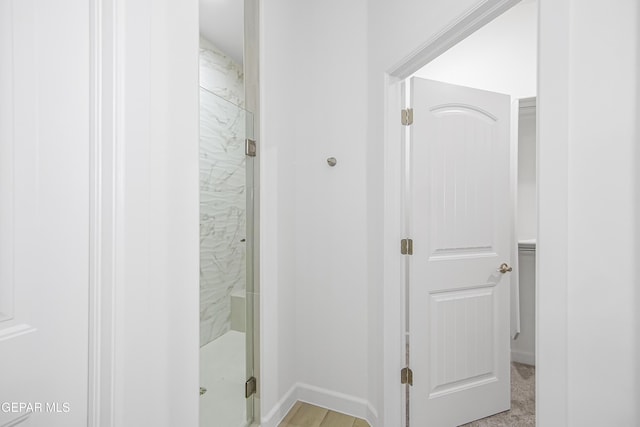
[329, 399]
[278, 412]
[526, 357]
[339, 402]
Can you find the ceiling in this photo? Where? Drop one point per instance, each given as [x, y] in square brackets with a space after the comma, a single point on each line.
[222, 23]
[499, 57]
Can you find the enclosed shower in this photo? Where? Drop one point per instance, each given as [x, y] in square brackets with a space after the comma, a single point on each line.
[226, 333]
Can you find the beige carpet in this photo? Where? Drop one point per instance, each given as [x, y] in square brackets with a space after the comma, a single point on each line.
[523, 404]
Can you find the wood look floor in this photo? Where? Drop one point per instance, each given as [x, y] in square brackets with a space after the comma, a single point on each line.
[306, 415]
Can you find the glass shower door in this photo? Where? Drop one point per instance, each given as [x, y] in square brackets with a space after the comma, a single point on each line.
[226, 276]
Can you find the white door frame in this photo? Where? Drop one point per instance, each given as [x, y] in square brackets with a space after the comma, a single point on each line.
[143, 249]
[103, 244]
[551, 321]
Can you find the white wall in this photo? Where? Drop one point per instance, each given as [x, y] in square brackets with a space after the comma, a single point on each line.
[330, 202]
[278, 39]
[499, 57]
[588, 194]
[154, 137]
[527, 210]
[314, 288]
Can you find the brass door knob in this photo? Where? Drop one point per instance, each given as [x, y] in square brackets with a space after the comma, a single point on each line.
[504, 268]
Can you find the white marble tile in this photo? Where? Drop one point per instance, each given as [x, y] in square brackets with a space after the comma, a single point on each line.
[220, 74]
[222, 190]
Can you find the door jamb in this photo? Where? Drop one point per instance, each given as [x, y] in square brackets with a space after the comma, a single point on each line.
[102, 232]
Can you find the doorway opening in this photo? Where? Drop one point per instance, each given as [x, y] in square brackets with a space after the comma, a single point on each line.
[445, 334]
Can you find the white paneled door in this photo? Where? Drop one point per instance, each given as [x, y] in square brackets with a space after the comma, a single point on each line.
[44, 212]
[460, 221]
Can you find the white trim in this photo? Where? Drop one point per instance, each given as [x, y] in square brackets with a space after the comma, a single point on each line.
[146, 239]
[339, 402]
[393, 294]
[16, 331]
[278, 412]
[552, 186]
[102, 243]
[333, 400]
[475, 18]
[514, 278]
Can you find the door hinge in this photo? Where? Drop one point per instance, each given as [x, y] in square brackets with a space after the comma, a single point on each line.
[250, 147]
[407, 116]
[250, 387]
[406, 376]
[406, 247]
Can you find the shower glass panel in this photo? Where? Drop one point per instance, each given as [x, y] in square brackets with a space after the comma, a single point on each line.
[226, 294]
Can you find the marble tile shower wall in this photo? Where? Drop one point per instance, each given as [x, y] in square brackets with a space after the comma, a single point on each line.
[222, 189]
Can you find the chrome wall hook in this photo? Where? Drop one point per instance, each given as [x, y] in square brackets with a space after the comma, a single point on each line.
[332, 161]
